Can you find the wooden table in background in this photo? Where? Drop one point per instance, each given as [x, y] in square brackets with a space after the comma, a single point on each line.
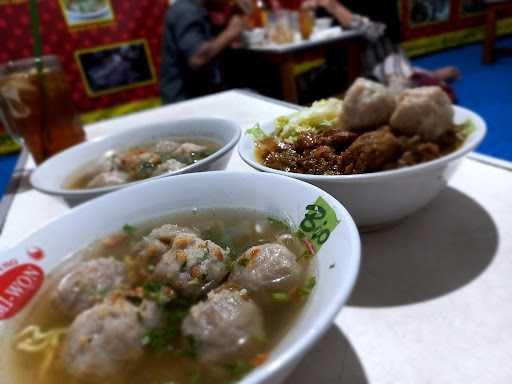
[495, 10]
[287, 56]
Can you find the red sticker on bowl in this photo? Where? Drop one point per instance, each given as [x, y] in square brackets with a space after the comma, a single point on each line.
[17, 286]
[36, 253]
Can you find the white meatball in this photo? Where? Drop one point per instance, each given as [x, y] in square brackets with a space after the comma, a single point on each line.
[267, 268]
[168, 232]
[426, 111]
[109, 162]
[192, 266]
[171, 165]
[159, 241]
[146, 157]
[225, 326]
[103, 339]
[88, 283]
[367, 104]
[140, 162]
[150, 315]
[166, 146]
[151, 249]
[108, 179]
[187, 149]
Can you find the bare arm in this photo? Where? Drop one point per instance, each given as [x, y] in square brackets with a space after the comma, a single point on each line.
[340, 12]
[337, 10]
[369, 29]
[211, 49]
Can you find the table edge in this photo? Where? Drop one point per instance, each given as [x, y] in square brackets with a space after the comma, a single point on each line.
[256, 95]
[298, 47]
[491, 160]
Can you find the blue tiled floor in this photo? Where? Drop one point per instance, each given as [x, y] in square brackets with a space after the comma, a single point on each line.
[7, 164]
[486, 89]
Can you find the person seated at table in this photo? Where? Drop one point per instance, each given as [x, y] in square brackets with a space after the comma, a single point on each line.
[196, 33]
[382, 59]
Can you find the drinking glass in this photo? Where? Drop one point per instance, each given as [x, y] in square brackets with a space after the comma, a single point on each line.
[36, 106]
[306, 23]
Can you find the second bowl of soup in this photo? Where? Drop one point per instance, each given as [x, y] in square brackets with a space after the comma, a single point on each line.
[135, 155]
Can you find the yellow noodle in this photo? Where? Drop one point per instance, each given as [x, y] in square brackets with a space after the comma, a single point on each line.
[33, 340]
[48, 360]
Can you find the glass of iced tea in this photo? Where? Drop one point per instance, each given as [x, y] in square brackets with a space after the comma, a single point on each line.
[280, 28]
[306, 23]
[36, 106]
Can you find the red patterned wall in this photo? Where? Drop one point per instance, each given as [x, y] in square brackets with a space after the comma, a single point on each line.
[134, 19]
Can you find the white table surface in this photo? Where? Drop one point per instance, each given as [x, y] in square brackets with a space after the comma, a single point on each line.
[433, 303]
[318, 38]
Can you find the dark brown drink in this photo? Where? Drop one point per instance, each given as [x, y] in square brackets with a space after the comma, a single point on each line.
[306, 23]
[37, 106]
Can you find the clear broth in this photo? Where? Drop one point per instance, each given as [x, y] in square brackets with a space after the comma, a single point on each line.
[240, 228]
[81, 178]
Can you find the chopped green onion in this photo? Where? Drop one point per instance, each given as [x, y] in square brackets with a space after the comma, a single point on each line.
[191, 347]
[238, 368]
[306, 254]
[230, 264]
[243, 261]
[206, 255]
[158, 293]
[260, 338]
[306, 289]
[281, 297]
[129, 229]
[468, 128]
[196, 379]
[157, 339]
[152, 286]
[146, 339]
[147, 165]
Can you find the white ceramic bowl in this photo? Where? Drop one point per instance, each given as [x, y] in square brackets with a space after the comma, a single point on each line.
[378, 199]
[51, 176]
[287, 198]
[254, 37]
[323, 23]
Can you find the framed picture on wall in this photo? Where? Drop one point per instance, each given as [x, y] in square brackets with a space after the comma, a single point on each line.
[472, 7]
[116, 67]
[83, 13]
[425, 12]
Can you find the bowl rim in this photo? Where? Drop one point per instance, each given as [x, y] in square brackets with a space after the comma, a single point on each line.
[322, 321]
[469, 145]
[86, 145]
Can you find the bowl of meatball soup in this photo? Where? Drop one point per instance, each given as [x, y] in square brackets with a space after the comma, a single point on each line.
[230, 283]
[135, 155]
[383, 155]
